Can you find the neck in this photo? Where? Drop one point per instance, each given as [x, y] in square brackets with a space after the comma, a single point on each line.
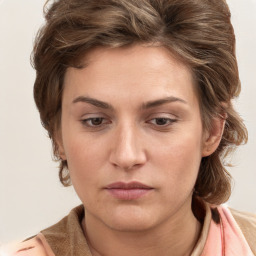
[176, 236]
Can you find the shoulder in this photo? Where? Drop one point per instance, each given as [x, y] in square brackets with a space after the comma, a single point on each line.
[55, 240]
[30, 247]
[247, 223]
[66, 237]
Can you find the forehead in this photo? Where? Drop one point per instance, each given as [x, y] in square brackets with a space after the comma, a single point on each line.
[128, 72]
[148, 57]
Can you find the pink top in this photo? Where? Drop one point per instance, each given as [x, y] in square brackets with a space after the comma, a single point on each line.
[227, 238]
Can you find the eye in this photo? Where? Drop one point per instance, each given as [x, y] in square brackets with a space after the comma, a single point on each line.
[94, 121]
[162, 121]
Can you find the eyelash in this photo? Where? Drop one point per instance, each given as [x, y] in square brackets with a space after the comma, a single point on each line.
[169, 121]
[91, 119]
[88, 122]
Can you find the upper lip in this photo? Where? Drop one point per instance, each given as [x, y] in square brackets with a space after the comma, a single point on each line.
[129, 185]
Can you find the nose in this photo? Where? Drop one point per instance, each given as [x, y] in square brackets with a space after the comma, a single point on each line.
[127, 149]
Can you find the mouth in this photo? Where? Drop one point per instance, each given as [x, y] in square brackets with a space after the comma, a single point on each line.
[128, 191]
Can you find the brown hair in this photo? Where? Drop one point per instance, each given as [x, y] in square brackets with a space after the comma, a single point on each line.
[198, 32]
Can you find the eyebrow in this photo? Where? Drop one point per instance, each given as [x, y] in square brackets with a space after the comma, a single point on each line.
[163, 101]
[94, 102]
[149, 104]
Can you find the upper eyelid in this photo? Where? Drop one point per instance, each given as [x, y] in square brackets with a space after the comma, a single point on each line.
[145, 116]
[94, 115]
[162, 115]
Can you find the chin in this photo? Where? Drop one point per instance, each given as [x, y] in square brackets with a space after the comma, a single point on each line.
[131, 221]
[131, 225]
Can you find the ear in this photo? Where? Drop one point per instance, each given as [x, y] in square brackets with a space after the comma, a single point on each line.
[59, 144]
[212, 138]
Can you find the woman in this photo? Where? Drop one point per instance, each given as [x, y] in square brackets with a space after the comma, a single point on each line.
[136, 97]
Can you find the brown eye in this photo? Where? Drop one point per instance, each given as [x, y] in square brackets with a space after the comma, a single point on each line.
[94, 121]
[162, 121]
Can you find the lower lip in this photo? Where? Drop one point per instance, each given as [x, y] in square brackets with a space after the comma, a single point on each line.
[128, 194]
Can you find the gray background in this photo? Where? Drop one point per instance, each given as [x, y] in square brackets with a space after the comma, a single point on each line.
[31, 197]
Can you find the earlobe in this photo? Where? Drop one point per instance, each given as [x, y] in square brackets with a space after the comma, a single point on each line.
[213, 137]
[61, 153]
[60, 147]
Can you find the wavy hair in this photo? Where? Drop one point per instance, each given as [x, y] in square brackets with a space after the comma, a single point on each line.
[197, 32]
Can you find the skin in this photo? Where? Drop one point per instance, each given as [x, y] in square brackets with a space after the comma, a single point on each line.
[135, 137]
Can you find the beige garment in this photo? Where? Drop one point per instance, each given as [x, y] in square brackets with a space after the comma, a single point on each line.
[66, 238]
[247, 223]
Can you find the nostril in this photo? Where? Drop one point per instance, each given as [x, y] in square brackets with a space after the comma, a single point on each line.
[128, 163]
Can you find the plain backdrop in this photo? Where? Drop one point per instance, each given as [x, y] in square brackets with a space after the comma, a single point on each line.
[31, 196]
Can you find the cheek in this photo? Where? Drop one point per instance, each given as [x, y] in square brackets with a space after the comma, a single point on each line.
[84, 157]
[180, 159]
[84, 168]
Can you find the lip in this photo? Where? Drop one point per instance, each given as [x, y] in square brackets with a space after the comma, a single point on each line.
[128, 191]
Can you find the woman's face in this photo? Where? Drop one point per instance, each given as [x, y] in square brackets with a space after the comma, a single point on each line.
[132, 135]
